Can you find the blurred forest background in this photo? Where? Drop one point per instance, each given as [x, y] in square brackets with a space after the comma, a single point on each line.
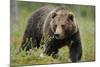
[85, 17]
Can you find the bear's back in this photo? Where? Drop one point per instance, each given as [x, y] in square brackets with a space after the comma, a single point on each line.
[36, 20]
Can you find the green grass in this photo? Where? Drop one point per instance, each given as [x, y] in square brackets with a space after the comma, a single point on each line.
[85, 22]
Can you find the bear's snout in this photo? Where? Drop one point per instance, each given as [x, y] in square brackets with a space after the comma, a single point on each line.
[56, 35]
[59, 33]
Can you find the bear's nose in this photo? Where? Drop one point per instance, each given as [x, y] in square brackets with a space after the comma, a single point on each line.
[56, 35]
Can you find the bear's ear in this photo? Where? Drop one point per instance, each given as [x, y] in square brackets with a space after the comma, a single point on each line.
[71, 16]
[53, 14]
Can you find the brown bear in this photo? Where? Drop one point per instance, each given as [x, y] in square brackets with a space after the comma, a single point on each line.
[59, 25]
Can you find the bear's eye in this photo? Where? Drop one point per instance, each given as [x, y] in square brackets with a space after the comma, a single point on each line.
[62, 26]
[55, 25]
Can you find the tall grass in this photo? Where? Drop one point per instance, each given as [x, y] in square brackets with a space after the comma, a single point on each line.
[86, 22]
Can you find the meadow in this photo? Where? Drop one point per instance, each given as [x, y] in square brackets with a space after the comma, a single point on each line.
[85, 17]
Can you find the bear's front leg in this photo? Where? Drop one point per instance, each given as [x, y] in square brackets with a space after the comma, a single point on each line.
[51, 48]
[75, 48]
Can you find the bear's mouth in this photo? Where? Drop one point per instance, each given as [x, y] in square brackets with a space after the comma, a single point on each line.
[59, 37]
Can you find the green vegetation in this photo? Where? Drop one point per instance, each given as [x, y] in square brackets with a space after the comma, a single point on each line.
[85, 19]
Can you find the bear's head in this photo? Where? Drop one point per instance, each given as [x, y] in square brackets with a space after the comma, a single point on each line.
[62, 24]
